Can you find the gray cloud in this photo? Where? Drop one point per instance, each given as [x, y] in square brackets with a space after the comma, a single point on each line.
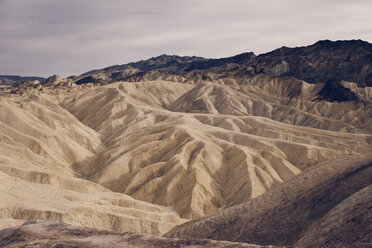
[43, 37]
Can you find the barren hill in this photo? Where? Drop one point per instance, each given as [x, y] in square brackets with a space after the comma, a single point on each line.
[196, 148]
[147, 146]
[328, 205]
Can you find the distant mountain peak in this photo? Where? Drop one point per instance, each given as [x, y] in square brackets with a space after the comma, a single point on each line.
[164, 61]
[12, 79]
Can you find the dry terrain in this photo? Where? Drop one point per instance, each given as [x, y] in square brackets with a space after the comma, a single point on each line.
[38, 235]
[328, 205]
[100, 151]
[149, 146]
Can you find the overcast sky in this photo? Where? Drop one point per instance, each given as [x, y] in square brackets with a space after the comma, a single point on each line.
[67, 37]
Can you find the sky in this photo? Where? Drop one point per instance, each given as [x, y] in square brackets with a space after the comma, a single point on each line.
[70, 37]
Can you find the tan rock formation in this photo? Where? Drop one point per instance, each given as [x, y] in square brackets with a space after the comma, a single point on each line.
[191, 149]
[328, 205]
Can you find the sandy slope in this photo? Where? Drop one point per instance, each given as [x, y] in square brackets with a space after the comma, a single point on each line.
[328, 205]
[194, 148]
[199, 148]
[40, 141]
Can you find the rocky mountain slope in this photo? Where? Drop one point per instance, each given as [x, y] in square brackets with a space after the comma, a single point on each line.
[322, 62]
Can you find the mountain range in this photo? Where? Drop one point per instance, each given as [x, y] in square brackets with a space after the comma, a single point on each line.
[325, 62]
[12, 79]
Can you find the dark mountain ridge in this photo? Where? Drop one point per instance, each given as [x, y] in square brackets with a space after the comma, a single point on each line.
[321, 62]
[329, 63]
[324, 61]
[165, 61]
[11, 79]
